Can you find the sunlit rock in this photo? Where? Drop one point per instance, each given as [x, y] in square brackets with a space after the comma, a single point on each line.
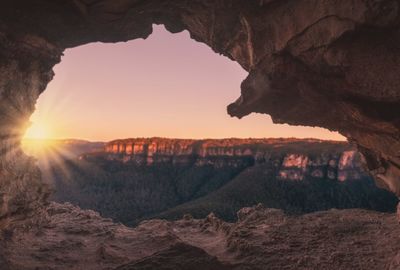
[294, 166]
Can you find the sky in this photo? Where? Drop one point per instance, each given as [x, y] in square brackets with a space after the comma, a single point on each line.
[166, 86]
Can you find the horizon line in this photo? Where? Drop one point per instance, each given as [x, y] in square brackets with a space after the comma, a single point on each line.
[174, 138]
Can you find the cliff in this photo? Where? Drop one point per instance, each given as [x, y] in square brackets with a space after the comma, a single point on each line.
[296, 158]
[134, 179]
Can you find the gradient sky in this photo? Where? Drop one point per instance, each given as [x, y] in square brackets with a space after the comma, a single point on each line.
[167, 85]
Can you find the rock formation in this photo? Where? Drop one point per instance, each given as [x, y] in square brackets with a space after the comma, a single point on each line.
[332, 64]
[332, 160]
[65, 237]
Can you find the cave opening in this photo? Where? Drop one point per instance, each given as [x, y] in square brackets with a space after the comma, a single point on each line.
[315, 63]
[164, 86]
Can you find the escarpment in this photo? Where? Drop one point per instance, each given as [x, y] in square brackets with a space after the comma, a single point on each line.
[294, 158]
[332, 64]
[135, 179]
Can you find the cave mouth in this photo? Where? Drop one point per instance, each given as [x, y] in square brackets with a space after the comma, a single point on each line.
[308, 101]
[164, 86]
[310, 64]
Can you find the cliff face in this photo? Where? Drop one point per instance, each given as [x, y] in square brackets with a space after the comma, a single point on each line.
[135, 179]
[332, 64]
[295, 159]
[25, 69]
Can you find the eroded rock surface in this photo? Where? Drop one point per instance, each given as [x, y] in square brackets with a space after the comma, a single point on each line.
[178, 257]
[65, 237]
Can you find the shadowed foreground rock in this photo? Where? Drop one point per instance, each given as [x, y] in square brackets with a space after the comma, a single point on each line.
[65, 237]
[178, 257]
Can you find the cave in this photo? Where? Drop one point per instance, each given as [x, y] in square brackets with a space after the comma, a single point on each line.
[132, 88]
[330, 64]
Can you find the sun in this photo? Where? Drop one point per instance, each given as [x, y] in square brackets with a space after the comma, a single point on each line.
[38, 131]
[37, 140]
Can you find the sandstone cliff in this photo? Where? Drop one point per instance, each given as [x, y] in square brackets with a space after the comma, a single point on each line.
[135, 179]
[296, 158]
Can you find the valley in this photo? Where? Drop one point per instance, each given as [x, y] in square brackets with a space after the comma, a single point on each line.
[136, 179]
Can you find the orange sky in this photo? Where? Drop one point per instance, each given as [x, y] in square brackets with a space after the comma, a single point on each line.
[167, 85]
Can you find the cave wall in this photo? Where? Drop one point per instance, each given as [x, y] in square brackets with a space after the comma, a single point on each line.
[25, 69]
[327, 63]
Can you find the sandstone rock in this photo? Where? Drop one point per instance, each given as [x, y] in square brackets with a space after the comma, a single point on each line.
[295, 165]
[178, 257]
[262, 239]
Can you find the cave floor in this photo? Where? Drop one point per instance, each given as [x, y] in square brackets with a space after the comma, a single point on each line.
[65, 237]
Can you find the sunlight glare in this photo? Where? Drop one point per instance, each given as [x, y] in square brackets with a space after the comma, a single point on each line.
[37, 138]
[38, 131]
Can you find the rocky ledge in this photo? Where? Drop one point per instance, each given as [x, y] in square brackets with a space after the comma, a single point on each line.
[66, 237]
